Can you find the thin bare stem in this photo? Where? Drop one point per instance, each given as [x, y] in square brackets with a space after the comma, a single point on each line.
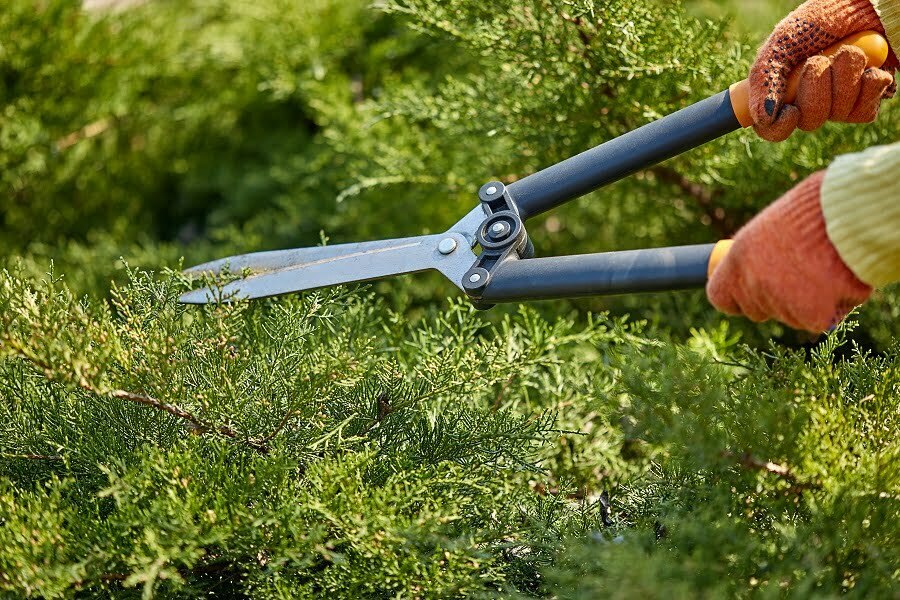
[196, 423]
[26, 456]
[749, 461]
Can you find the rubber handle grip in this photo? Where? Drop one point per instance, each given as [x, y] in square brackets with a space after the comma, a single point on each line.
[870, 42]
[602, 274]
[720, 251]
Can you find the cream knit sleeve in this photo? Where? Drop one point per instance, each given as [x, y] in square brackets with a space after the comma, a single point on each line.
[861, 195]
[889, 11]
[861, 204]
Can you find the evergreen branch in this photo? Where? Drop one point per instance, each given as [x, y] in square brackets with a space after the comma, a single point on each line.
[212, 568]
[366, 183]
[587, 39]
[279, 427]
[729, 363]
[703, 196]
[503, 389]
[583, 35]
[197, 424]
[384, 406]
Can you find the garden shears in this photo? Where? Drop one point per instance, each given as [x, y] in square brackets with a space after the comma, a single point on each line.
[506, 270]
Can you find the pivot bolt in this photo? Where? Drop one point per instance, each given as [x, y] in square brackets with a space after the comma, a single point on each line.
[447, 246]
[491, 190]
[474, 278]
[499, 231]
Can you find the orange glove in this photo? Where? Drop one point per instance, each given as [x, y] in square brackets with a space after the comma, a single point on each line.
[837, 89]
[783, 266]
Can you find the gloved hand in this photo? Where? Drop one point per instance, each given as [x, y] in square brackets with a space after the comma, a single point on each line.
[783, 266]
[838, 88]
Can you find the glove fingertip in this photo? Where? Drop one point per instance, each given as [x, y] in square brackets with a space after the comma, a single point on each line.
[767, 82]
[719, 293]
[783, 127]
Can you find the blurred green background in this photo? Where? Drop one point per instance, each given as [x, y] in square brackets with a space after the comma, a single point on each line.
[213, 127]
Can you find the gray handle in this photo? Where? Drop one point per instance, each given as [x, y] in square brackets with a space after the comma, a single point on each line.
[642, 148]
[632, 271]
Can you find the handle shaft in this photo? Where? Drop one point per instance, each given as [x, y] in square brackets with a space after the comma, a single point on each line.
[657, 141]
[618, 158]
[632, 271]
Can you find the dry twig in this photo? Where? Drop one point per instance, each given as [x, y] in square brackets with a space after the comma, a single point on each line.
[749, 461]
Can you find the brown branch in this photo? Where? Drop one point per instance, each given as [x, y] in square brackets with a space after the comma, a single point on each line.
[500, 394]
[88, 131]
[176, 411]
[278, 427]
[704, 197]
[196, 423]
[748, 461]
[606, 89]
[53, 457]
[384, 406]
[583, 35]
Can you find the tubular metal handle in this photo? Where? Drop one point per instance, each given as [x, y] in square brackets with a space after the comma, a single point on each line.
[608, 273]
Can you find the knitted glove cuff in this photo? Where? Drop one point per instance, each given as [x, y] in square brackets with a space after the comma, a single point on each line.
[862, 212]
[783, 266]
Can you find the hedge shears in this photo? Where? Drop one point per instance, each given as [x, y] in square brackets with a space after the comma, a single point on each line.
[505, 269]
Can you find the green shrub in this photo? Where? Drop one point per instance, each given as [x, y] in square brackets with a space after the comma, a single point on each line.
[387, 441]
[321, 445]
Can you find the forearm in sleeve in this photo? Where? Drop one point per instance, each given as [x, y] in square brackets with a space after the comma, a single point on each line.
[861, 205]
[889, 11]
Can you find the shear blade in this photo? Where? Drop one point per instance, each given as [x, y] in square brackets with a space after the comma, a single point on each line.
[286, 271]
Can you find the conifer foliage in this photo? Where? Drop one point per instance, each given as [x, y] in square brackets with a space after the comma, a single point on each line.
[386, 441]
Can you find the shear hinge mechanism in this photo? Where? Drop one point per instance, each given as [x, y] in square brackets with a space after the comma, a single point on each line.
[502, 237]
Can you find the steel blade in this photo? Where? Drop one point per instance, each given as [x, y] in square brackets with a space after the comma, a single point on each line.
[283, 259]
[259, 262]
[286, 271]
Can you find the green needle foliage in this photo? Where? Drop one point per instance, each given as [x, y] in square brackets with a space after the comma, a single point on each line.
[389, 442]
[322, 445]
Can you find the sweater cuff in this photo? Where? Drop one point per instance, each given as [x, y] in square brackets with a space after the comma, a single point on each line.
[862, 213]
[889, 11]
